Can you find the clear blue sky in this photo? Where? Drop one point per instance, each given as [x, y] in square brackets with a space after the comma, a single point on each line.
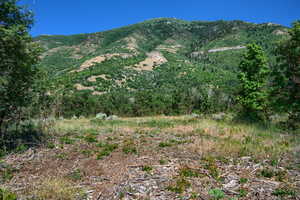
[86, 16]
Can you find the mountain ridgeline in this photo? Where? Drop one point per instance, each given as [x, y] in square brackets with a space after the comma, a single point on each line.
[160, 66]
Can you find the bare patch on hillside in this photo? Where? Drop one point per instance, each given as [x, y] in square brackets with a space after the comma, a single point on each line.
[280, 32]
[131, 44]
[154, 58]
[100, 59]
[198, 53]
[79, 87]
[94, 78]
[170, 46]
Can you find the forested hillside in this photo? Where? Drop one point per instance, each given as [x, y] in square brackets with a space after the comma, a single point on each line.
[160, 66]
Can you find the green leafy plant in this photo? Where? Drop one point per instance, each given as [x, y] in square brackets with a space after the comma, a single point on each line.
[180, 186]
[188, 172]
[107, 149]
[147, 168]
[283, 192]
[216, 194]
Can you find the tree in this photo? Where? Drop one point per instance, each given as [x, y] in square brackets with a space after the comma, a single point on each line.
[286, 76]
[18, 56]
[253, 77]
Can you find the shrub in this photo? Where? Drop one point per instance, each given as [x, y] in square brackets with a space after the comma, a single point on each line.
[25, 133]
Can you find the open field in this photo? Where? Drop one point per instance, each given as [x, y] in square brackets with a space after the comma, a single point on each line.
[160, 157]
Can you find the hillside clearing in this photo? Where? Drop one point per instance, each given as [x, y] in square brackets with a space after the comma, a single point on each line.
[159, 157]
[154, 58]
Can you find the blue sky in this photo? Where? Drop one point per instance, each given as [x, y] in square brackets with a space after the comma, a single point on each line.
[86, 16]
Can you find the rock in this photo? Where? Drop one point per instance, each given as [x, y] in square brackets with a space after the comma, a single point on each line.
[218, 116]
[101, 116]
[112, 117]
[231, 184]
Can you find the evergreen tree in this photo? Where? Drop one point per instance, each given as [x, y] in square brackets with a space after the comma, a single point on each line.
[253, 77]
[286, 83]
[18, 56]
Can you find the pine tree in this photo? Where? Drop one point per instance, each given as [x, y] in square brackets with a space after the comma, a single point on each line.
[253, 77]
[286, 82]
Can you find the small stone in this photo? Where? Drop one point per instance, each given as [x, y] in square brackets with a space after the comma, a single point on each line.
[232, 184]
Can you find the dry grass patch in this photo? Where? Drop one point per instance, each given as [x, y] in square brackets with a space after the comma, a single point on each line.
[57, 189]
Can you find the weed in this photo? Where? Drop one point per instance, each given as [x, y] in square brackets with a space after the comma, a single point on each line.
[188, 172]
[75, 175]
[21, 148]
[121, 195]
[66, 140]
[194, 195]
[211, 166]
[284, 192]
[180, 186]
[86, 152]
[268, 173]
[129, 147]
[90, 138]
[216, 194]
[50, 145]
[7, 195]
[147, 168]
[162, 162]
[243, 180]
[280, 175]
[164, 144]
[107, 150]
[62, 156]
[7, 173]
[242, 192]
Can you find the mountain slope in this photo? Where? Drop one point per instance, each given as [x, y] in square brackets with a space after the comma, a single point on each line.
[160, 56]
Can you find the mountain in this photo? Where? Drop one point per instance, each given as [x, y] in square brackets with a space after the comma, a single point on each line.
[160, 66]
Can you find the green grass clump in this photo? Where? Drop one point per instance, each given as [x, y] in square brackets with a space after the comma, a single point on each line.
[7, 195]
[180, 186]
[147, 168]
[164, 144]
[212, 167]
[282, 192]
[268, 173]
[107, 149]
[7, 173]
[216, 194]
[76, 175]
[243, 180]
[188, 172]
[90, 138]
[67, 140]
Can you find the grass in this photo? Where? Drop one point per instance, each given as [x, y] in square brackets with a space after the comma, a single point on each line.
[179, 186]
[107, 149]
[188, 172]
[57, 188]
